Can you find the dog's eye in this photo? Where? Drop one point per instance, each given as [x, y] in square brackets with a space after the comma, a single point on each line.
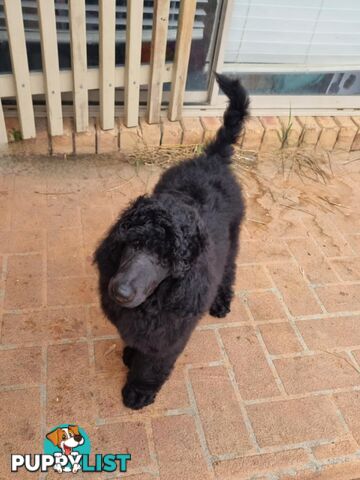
[64, 437]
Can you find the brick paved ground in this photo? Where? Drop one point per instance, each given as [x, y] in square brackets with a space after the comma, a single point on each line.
[270, 392]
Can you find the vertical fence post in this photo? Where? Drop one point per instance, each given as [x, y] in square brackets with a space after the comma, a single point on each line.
[107, 40]
[20, 66]
[134, 23]
[77, 19]
[182, 54]
[158, 57]
[50, 58]
[3, 133]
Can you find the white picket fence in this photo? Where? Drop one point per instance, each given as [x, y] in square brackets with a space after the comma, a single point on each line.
[52, 81]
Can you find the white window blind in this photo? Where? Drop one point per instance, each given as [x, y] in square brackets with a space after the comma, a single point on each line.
[309, 32]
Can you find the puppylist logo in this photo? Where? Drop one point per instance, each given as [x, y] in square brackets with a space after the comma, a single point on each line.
[67, 450]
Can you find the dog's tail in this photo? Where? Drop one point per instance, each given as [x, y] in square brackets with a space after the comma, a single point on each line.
[234, 116]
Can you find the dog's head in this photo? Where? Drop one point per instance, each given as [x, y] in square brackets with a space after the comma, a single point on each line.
[66, 438]
[155, 238]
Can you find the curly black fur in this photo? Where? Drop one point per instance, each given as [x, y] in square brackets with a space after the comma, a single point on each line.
[191, 223]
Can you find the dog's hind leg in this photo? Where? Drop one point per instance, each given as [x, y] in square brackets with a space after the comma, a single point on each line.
[221, 304]
[145, 378]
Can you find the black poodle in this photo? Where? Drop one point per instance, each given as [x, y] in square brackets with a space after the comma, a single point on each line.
[170, 257]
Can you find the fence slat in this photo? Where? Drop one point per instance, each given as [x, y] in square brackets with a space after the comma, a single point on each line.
[79, 63]
[158, 56]
[107, 63]
[3, 133]
[182, 54]
[20, 67]
[133, 61]
[50, 58]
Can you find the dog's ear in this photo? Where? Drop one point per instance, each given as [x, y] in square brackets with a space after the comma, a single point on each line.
[194, 237]
[191, 240]
[74, 429]
[108, 252]
[201, 235]
[53, 436]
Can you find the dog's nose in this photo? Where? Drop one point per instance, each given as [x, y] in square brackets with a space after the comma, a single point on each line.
[125, 292]
[121, 292]
[78, 438]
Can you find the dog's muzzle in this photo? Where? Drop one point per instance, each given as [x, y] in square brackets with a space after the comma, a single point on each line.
[136, 279]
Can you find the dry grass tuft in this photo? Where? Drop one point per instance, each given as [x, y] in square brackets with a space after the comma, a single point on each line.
[305, 164]
[164, 155]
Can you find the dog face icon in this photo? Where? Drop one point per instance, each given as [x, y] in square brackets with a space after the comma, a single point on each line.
[66, 438]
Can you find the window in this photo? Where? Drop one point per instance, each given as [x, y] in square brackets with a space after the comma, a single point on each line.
[289, 47]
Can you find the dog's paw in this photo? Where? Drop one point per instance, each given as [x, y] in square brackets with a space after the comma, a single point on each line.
[128, 355]
[76, 468]
[135, 399]
[58, 468]
[219, 310]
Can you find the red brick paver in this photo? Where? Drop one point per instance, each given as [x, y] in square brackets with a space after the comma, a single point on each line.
[272, 391]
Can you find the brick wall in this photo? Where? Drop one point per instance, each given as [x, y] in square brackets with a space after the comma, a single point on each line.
[263, 134]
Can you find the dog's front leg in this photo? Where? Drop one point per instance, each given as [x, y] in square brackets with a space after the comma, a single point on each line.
[146, 376]
[128, 355]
